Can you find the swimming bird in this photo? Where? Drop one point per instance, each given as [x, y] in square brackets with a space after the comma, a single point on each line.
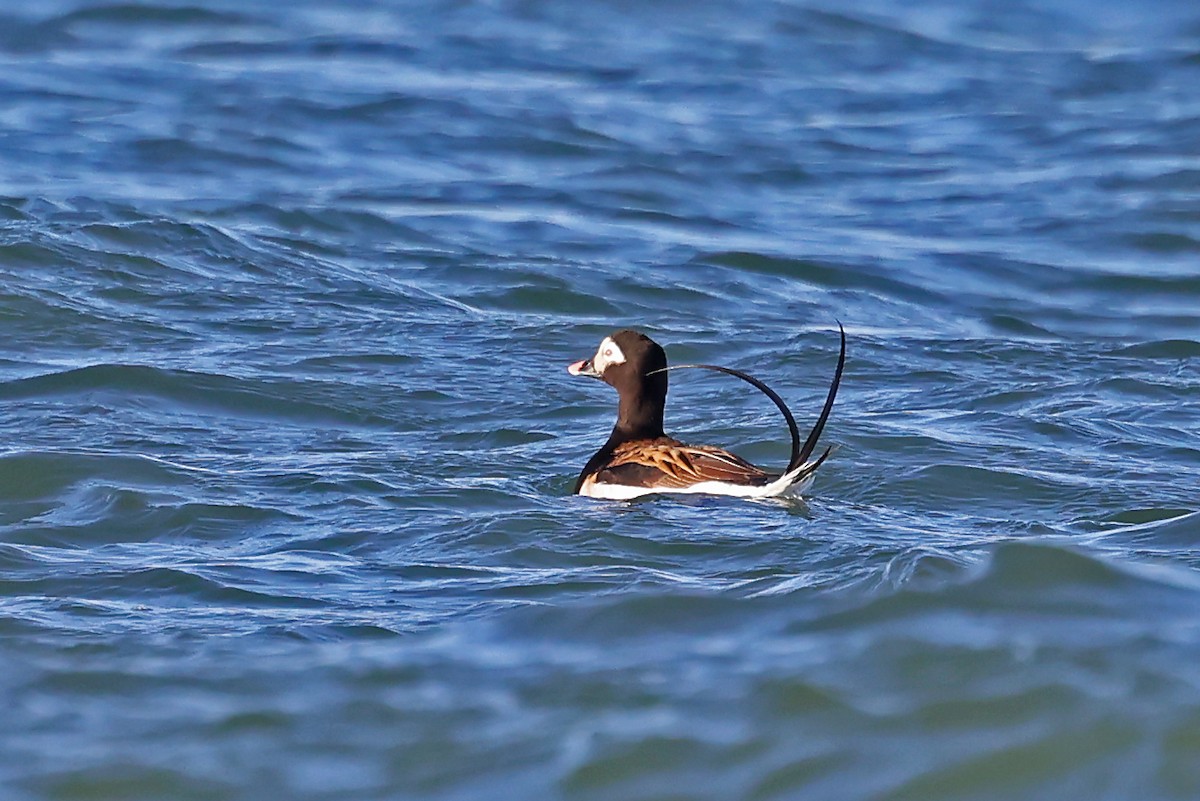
[640, 459]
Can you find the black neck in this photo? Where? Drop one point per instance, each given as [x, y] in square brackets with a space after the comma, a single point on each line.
[640, 414]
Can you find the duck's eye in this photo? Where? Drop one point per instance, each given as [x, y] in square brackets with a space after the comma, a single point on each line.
[608, 352]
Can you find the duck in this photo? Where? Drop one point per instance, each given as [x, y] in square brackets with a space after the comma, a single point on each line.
[640, 459]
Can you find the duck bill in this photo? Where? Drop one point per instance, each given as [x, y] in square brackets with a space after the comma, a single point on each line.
[583, 367]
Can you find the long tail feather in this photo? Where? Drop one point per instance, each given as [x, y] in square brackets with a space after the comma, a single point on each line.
[800, 453]
[810, 444]
[770, 393]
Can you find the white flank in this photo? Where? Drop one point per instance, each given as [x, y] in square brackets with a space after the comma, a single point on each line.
[786, 486]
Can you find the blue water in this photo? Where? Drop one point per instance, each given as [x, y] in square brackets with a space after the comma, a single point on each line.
[287, 291]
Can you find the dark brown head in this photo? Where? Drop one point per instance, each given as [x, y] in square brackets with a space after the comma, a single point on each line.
[625, 361]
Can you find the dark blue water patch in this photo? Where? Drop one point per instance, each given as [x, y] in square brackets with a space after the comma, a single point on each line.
[1140, 516]
[1155, 532]
[152, 585]
[1164, 349]
[39, 476]
[226, 395]
[27, 36]
[1094, 594]
[124, 15]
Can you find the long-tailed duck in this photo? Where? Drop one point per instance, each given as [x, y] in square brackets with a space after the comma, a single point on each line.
[639, 459]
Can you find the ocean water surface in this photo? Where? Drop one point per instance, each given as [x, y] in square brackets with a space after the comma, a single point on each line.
[287, 291]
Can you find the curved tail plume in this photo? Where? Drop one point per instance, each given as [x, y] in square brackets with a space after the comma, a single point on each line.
[800, 453]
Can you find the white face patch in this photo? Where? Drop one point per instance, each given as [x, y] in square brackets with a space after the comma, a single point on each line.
[608, 354]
